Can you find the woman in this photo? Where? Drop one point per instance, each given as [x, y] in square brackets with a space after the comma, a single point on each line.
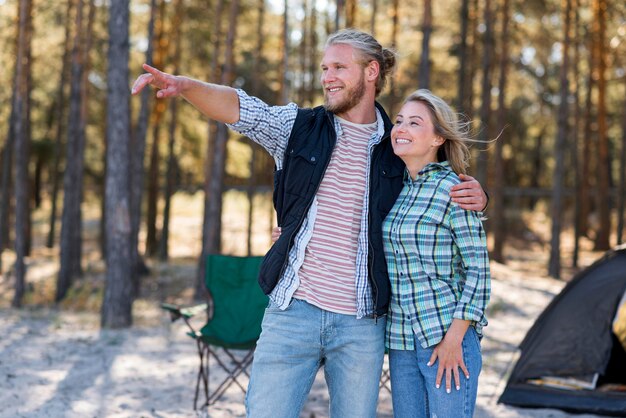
[438, 267]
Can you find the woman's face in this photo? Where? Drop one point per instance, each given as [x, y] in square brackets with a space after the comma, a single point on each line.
[413, 135]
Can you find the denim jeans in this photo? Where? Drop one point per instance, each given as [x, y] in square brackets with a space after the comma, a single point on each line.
[414, 394]
[296, 342]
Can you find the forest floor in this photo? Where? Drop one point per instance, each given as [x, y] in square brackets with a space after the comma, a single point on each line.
[55, 361]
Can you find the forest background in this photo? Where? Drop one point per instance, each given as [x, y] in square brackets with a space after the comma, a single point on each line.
[88, 174]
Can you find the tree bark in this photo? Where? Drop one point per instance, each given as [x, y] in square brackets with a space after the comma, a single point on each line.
[463, 79]
[22, 144]
[138, 153]
[71, 218]
[554, 266]
[219, 150]
[499, 228]
[603, 199]
[171, 160]
[423, 74]
[157, 114]
[485, 107]
[60, 125]
[117, 303]
[256, 85]
[576, 133]
[207, 245]
[622, 180]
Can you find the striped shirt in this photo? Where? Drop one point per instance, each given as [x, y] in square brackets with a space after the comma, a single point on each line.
[270, 127]
[437, 260]
[327, 275]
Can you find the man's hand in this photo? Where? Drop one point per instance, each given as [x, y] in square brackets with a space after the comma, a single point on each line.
[276, 231]
[469, 194]
[168, 85]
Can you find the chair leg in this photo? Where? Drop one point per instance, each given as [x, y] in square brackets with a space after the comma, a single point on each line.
[203, 374]
[240, 367]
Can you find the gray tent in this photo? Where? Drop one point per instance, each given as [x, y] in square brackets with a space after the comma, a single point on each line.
[572, 358]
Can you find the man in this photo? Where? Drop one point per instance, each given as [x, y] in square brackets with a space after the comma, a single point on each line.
[336, 180]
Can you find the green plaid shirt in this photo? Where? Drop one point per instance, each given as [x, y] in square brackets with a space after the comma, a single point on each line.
[437, 260]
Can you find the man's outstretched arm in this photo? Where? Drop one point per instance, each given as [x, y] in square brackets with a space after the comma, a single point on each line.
[469, 194]
[219, 103]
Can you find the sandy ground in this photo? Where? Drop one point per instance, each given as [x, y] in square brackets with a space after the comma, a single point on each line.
[57, 363]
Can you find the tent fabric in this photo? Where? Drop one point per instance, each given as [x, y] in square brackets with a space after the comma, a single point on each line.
[573, 338]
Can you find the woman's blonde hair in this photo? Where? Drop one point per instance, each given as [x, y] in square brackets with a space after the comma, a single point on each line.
[449, 126]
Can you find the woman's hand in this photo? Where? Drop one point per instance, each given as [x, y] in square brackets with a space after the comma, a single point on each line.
[449, 354]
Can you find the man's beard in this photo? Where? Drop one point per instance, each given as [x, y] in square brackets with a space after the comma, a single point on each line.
[353, 98]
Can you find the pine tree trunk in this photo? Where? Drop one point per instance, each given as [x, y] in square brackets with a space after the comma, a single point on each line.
[393, 99]
[171, 160]
[71, 240]
[284, 84]
[622, 181]
[373, 17]
[22, 144]
[558, 178]
[256, 87]
[485, 107]
[463, 58]
[117, 303]
[137, 155]
[423, 74]
[603, 197]
[200, 288]
[499, 228]
[576, 134]
[60, 126]
[157, 114]
[219, 150]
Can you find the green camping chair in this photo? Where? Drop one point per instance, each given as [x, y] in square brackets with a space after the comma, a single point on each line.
[234, 321]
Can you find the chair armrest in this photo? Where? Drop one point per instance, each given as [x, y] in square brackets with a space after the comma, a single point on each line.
[177, 312]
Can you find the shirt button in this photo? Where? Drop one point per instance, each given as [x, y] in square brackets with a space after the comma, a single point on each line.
[396, 251]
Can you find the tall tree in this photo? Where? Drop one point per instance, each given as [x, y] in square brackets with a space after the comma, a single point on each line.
[219, 147]
[587, 156]
[171, 160]
[256, 88]
[576, 40]
[285, 44]
[499, 229]
[558, 183]
[463, 79]
[373, 17]
[71, 219]
[207, 244]
[117, 302]
[60, 123]
[351, 13]
[603, 167]
[137, 155]
[155, 158]
[395, 10]
[622, 178]
[20, 112]
[423, 74]
[485, 106]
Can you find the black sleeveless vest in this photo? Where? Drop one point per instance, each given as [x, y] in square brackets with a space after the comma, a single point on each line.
[307, 155]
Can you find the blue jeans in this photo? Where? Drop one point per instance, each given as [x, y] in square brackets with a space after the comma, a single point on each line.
[414, 394]
[296, 342]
